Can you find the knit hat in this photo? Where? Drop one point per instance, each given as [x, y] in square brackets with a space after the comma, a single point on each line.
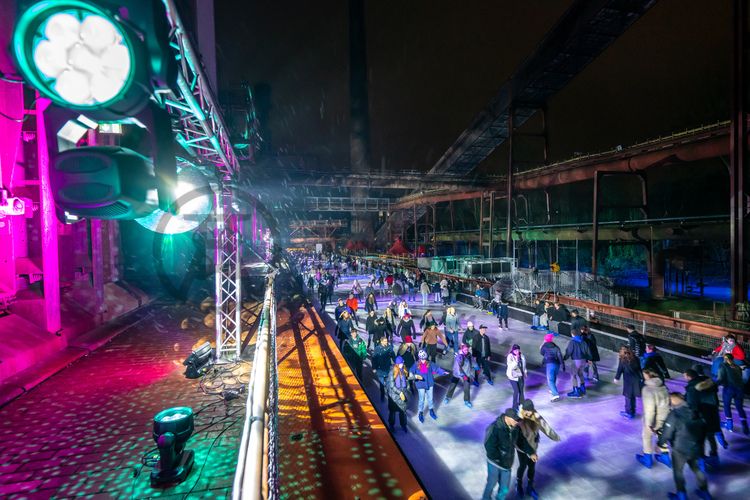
[407, 339]
[511, 413]
[528, 405]
[422, 354]
[399, 360]
[549, 337]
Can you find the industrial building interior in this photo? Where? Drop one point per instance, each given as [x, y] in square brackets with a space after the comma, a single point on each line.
[192, 192]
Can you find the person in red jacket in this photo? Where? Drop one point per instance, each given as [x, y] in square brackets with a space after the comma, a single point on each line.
[353, 304]
[729, 345]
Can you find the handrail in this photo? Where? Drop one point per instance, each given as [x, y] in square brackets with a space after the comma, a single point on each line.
[249, 483]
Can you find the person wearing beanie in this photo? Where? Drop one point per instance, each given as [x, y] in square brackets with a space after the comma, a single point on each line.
[462, 372]
[424, 374]
[530, 425]
[501, 438]
[396, 384]
[382, 359]
[629, 368]
[516, 372]
[578, 351]
[406, 327]
[655, 410]
[553, 360]
[482, 353]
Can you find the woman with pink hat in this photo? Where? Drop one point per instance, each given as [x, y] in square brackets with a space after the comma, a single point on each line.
[553, 359]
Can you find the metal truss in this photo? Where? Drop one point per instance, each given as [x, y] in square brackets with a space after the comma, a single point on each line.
[347, 204]
[199, 127]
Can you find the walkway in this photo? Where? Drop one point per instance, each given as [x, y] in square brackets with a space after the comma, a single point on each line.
[595, 458]
[84, 432]
[332, 444]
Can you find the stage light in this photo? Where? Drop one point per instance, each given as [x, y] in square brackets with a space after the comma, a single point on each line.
[172, 428]
[75, 52]
[199, 361]
[193, 204]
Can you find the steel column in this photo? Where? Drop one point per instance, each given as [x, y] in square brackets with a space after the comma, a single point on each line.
[50, 257]
[738, 154]
[509, 184]
[595, 224]
[97, 265]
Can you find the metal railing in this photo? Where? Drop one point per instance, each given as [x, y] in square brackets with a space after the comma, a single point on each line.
[256, 474]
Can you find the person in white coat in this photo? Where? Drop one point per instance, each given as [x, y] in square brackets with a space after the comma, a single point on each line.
[655, 398]
[516, 372]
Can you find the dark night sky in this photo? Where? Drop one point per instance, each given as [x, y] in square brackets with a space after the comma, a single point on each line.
[434, 64]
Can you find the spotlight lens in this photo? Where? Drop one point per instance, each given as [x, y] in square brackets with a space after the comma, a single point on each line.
[194, 203]
[77, 56]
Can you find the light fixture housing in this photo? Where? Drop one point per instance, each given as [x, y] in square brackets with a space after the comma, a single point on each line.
[199, 361]
[79, 55]
[172, 428]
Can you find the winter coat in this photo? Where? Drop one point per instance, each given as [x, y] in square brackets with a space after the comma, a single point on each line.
[428, 377]
[480, 347]
[632, 377]
[559, 314]
[469, 335]
[344, 328]
[577, 323]
[370, 323]
[355, 350]
[503, 312]
[684, 431]
[539, 309]
[371, 304]
[431, 336]
[379, 329]
[501, 441]
[654, 362]
[702, 395]
[730, 375]
[577, 349]
[591, 343]
[737, 352]
[551, 353]
[655, 397]
[353, 304]
[394, 393]
[462, 366]
[530, 428]
[515, 368]
[382, 358]
[409, 353]
[427, 322]
[397, 289]
[451, 322]
[402, 309]
[424, 287]
[406, 327]
[339, 310]
[637, 343]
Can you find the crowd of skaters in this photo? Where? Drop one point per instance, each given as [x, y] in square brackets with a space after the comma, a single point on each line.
[680, 423]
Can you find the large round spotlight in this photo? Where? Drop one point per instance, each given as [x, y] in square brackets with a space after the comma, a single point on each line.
[193, 204]
[75, 53]
[172, 428]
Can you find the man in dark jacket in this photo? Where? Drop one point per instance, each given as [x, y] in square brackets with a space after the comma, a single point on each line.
[382, 360]
[702, 396]
[577, 322]
[481, 351]
[553, 359]
[590, 340]
[684, 430]
[538, 311]
[558, 314]
[730, 376]
[578, 351]
[652, 360]
[501, 440]
[636, 342]
[370, 327]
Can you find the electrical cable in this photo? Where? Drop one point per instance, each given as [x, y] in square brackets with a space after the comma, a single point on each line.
[205, 460]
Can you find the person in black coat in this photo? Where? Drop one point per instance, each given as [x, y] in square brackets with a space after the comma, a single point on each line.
[652, 360]
[684, 430]
[702, 395]
[578, 351]
[636, 342]
[370, 327]
[577, 322]
[590, 340]
[501, 440]
[629, 368]
[480, 349]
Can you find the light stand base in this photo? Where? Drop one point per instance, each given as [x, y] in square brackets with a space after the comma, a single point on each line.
[161, 478]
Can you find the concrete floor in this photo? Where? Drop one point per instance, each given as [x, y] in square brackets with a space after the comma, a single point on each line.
[82, 433]
[594, 459]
